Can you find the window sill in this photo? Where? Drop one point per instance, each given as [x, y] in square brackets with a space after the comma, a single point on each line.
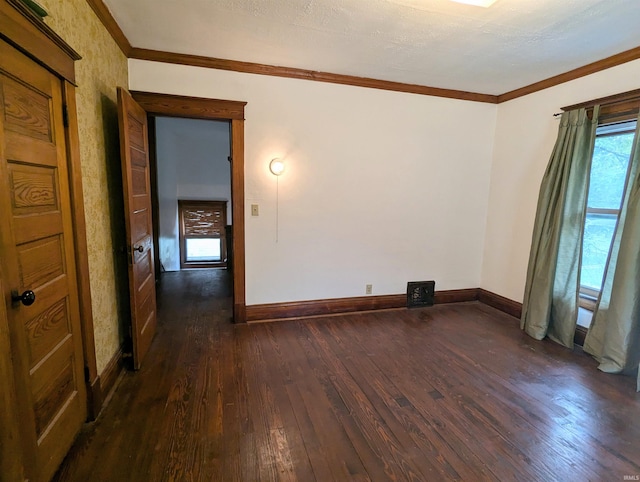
[588, 299]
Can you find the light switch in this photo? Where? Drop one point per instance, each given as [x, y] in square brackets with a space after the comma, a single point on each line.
[254, 210]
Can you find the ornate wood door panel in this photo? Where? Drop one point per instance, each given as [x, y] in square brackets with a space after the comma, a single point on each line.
[37, 255]
[134, 153]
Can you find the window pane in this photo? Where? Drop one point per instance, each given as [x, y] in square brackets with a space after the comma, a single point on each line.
[203, 249]
[609, 170]
[598, 233]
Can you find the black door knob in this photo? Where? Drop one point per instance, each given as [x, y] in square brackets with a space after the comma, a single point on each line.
[27, 298]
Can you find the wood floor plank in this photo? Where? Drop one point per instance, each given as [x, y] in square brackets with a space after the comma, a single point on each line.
[433, 447]
[577, 439]
[373, 418]
[443, 445]
[328, 414]
[290, 431]
[424, 377]
[449, 392]
[425, 372]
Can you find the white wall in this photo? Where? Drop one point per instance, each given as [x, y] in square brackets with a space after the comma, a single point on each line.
[525, 134]
[381, 187]
[192, 164]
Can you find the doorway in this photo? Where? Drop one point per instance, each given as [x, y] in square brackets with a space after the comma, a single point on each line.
[193, 192]
[231, 112]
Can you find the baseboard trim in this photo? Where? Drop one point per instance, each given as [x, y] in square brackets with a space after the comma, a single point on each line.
[100, 389]
[334, 306]
[455, 296]
[94, 398]
[111, 373]
[297, 309]
[501, 303]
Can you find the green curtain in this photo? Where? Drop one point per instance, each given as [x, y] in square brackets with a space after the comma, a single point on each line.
[550, 306]
[614, 335]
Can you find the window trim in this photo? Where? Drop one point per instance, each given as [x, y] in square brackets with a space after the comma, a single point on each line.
[588, 298]
[613, 108]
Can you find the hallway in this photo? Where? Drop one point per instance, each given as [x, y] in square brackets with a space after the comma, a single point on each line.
[451, 392]
[135, 438]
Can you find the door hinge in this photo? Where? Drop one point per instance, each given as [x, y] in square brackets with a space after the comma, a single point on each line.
[87, 375]
[65, 115]
[230, 159]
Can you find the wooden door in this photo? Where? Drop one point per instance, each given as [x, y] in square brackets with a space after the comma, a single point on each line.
[134, 153]
[37, 254]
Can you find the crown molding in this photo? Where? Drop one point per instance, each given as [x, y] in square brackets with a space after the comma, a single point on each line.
[592, 68]
[131, 52]
[304, 74]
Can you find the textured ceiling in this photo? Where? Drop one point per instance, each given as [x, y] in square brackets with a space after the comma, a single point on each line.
[435, 43]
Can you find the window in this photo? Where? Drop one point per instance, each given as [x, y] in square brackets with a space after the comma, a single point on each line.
[202, 250]
[202, 233]
[609, 168]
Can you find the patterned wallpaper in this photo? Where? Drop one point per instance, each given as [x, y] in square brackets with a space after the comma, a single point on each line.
[103, 67]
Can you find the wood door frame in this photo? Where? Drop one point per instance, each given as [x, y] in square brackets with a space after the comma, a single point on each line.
[95, 393]
[233, 112]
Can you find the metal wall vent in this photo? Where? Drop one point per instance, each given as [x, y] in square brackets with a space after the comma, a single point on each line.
[420, 293]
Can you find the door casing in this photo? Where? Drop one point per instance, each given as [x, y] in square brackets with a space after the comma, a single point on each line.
[233, 112]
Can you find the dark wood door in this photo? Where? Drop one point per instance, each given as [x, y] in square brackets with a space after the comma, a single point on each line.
[134, 152]
[37, 255]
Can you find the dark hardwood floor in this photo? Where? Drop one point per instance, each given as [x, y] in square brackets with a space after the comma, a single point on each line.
[451, 392]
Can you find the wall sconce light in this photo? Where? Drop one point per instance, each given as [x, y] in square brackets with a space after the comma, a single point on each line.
[276, 166]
